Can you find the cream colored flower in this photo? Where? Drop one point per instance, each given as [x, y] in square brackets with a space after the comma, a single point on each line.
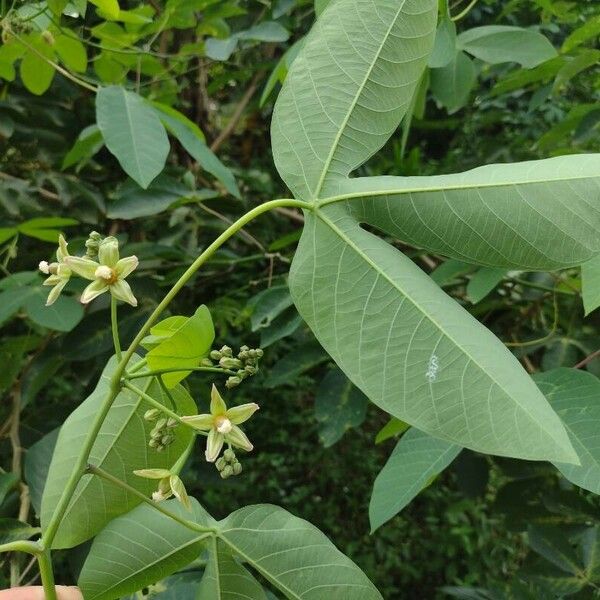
[59, 273]
[108, 274]
[222, 425]
[169, 484]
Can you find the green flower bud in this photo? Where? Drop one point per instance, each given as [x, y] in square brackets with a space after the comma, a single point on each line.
[233, 382]
[160, 448]
[230, 363]
[229, 455]
[259, 352]
[153, 443]
[226, 351]
[172, 423]
[166, 440]
[220, 464]
[152, 414]
[237, 468]
[206, 362]
[250, 370]
[160, 423]
[215, 355]
[227, 472]
[244, 348]
[252, 353]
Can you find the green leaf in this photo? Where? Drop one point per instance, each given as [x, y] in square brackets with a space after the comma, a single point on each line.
[451, 85]
[416, 459]
[484, 281]
[62, 315]
[8, 482]
[220, 49]
[589, 30]
[132, 201]
[444, 48]
[282, 326]
[590, 284]
[293, 555]
[88, 143]
[302, 359]
[37, 464]
[574, 396]
[120, 448]
[57, 6]
[267, 31]
[139, 548]
[316, 127]
[37, 74]
[192, 139]
[320, 6]
[496, 44]
[551, 543]
[267, 305]
[339, 406]
[7, 233]
[132, 132]
[412, 351]
[11, 301]
[185, 348]
[12, 530]
[393, 428]
[109, 7]
[226, 579]
[71, 53]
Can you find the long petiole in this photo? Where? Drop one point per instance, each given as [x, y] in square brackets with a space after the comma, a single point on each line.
[47, 575]
[130, 375]
[115, 328]
[150, 400]
[122, 484]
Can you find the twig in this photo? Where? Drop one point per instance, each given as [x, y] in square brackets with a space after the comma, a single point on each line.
[587, 360]
[237, 115]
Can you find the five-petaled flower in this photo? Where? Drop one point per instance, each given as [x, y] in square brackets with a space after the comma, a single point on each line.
[108, 274]
[222, 425]
[169, 484]
[59, 273]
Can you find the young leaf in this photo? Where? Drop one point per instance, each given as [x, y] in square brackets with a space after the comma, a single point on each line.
[225, 578]
[36, 72]
[574, 395]
[339, 406]
[393, 428]
[293, 555]
[71, 53]
[141, 547]
[500, 43]
[120, 448]
[132, 132]
[416, 459]
[590, 284]
[484, 281]
[185, 348]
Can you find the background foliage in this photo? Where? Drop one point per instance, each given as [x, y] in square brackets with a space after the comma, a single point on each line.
[485, 523]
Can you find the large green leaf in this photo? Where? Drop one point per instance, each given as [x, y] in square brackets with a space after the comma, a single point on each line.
[396, 336]
[121, 447]
[416, 459]
[226, 579]
[575, 396]
[132, 132]
[139, 548]
[348, 89]
[535, 215]
[414, 353]
[293, 555]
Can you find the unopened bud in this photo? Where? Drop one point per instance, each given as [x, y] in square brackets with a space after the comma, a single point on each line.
[227, 472]
[171, 423]
[230, 363]
[206, 362]
[221, 463]
[48, 38]
[259, 352]
[233, 382]
[226, 351]
[215, 355]
[237, 468]
[229, 455]
[152, 414]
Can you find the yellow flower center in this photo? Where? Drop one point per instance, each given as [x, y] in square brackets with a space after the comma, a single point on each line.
[106, 273]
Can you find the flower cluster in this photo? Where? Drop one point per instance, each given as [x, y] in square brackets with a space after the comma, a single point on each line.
[107, 273]
[222, 425]
[245, 365]
[228, 464]
[161, 435]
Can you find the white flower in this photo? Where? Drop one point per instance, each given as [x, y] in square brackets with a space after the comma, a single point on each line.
[222, 425]
[107, 275]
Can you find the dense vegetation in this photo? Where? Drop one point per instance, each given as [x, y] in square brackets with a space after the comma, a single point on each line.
[202, 77]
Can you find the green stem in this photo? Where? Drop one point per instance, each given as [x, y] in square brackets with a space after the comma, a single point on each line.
[118, 482]
[116, 383]
[114, 322]
[188, 274]
[150, 400]
[130, 375]
[465, 12]
[21, 546]
[47, 575]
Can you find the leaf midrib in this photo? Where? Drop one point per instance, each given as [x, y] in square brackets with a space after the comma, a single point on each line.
[358, 94]
[318, 214]
[320, 202]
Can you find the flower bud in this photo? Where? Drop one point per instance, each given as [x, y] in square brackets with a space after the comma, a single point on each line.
[233, 382]
[229, 455]
[237, 468]
[226, 351]
[153, 443]
[172, 423]
[206, 362]
[215, 355]
[48, 38]
[152, 414]
[227, 472]
[230, 363]
[221, 463]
